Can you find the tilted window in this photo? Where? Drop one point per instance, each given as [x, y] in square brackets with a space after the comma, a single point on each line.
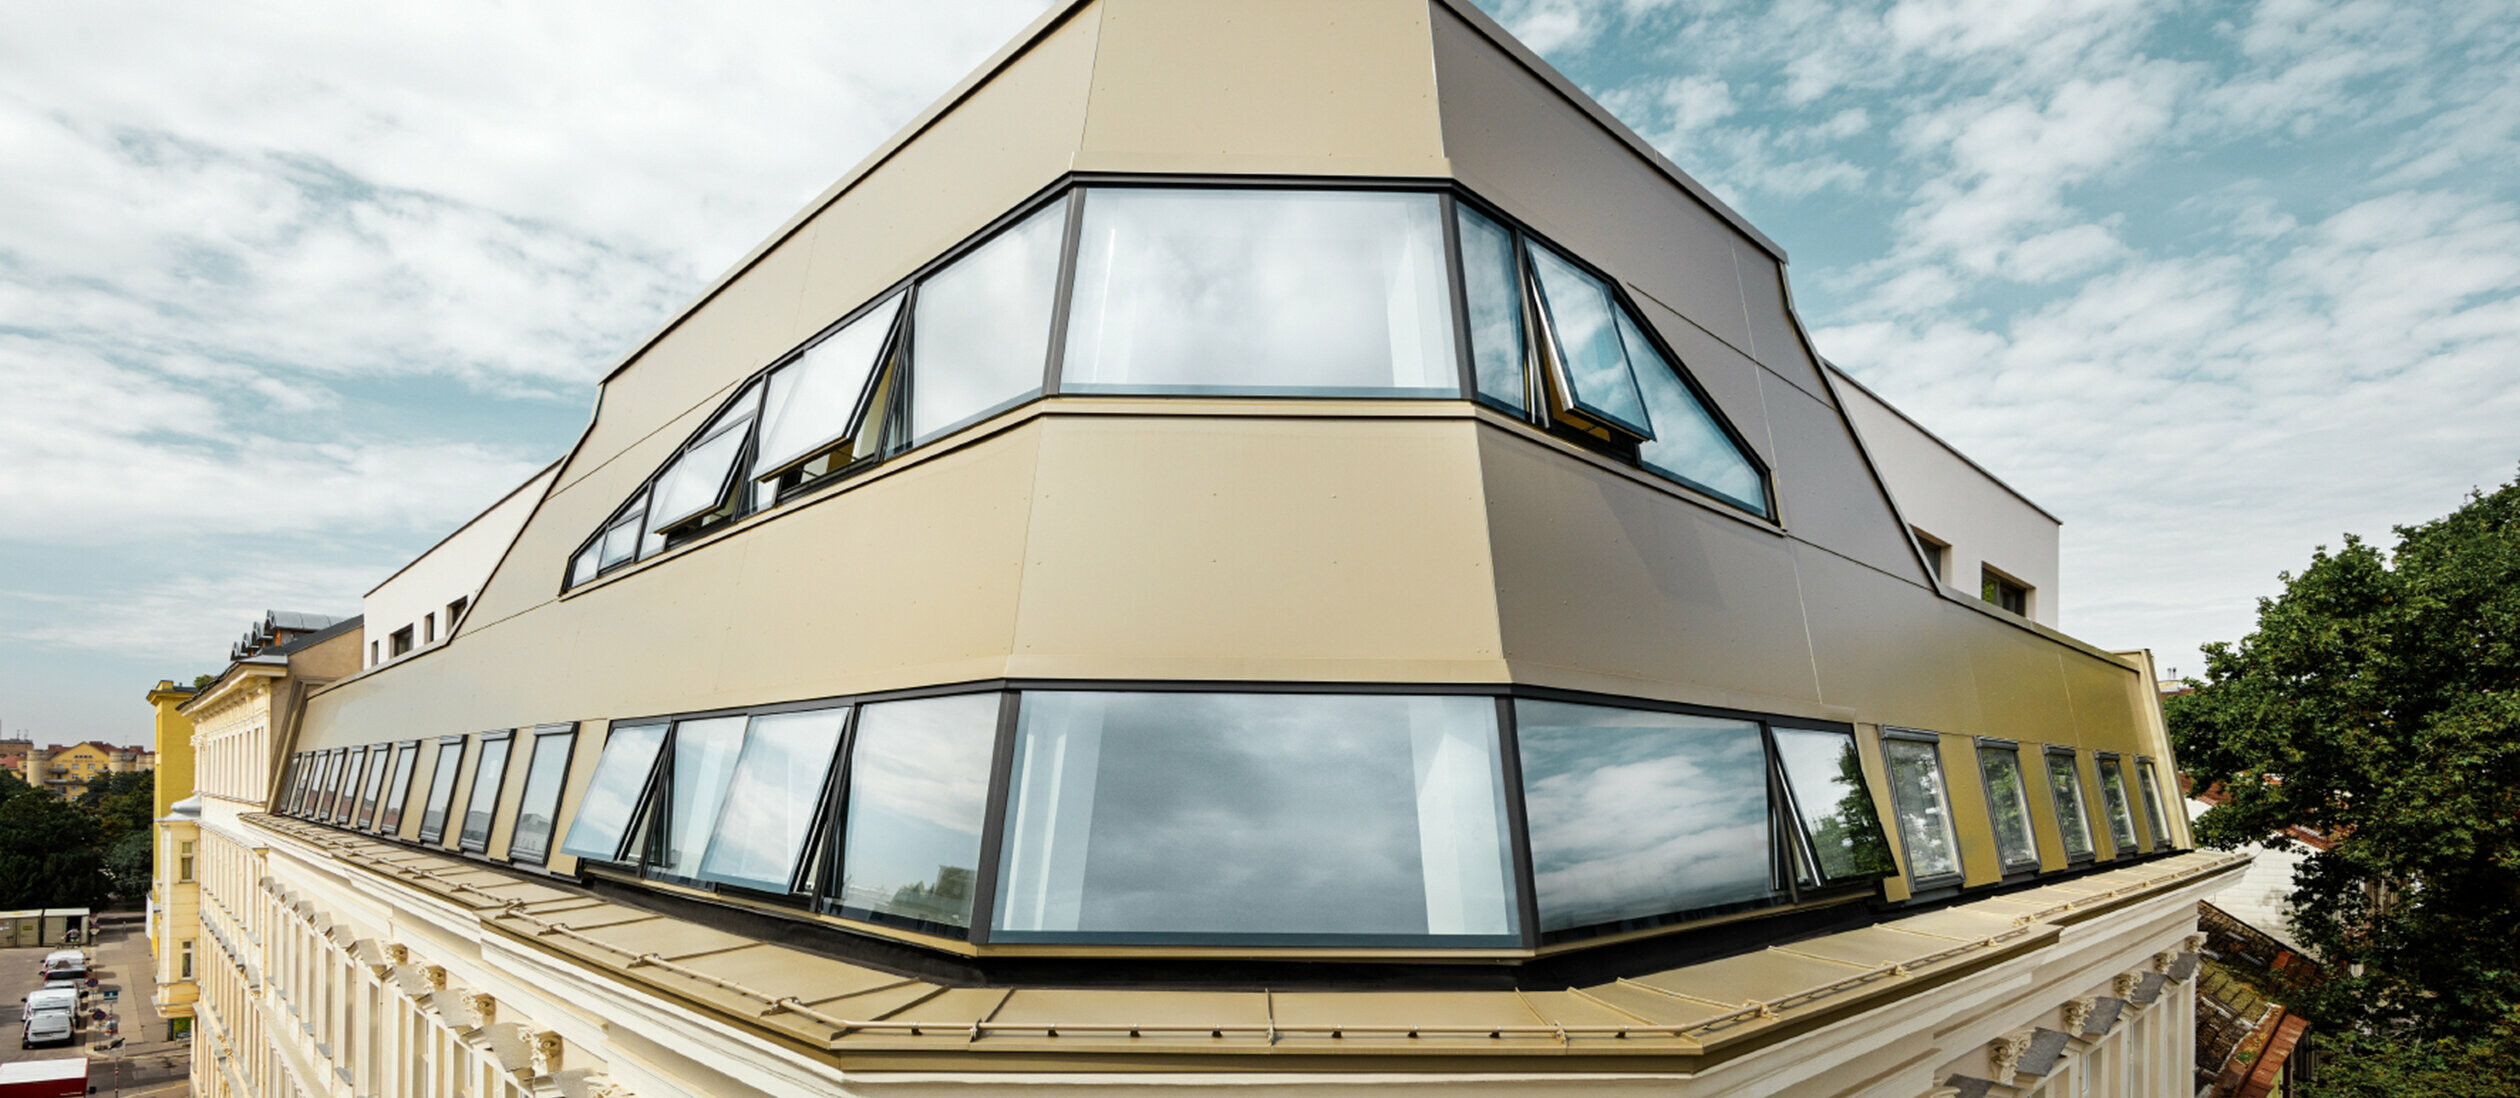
[546, 774]
[379, 759]
[389, 817]
[346, 786]
[1841, 831]
[917, 801]
[1588, 366]
[1639, 817]
[327, 787]
[773, 800]
[450, 758]
[1256, 817]
[1264, 292]
[980, 328]
[701, 479]
[489, 777]
[697, 769]
[1922, 803]
[2152, 801]
[2008, 804]
[2073, 825]
[600, 829]
[2113, 799]
[823, 399]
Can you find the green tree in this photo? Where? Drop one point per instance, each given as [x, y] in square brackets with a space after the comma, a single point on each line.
[122, 804]
[49, 856]
[128, 864]
[2378, 703]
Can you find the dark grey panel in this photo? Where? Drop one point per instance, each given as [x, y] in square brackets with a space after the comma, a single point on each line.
[2104, 1016]
[1824, 490]
[2046, 1047]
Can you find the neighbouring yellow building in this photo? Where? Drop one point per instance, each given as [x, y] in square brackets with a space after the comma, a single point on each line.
[67, 771]
[174, 897]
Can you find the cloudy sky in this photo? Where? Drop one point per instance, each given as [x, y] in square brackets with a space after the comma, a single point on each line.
[287, 291]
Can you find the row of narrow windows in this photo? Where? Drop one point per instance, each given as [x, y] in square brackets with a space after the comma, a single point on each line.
[1177, 817]
[1204, 291]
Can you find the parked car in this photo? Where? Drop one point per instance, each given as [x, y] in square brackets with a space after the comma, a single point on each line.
[65, 962]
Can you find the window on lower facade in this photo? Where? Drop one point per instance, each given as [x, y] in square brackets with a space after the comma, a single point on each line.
[600, 829]
[538, 805]
[2113, 802]
[917, 801]
[2008, 804]
[1841, 831]
[2144, 768]
[184, 961]
[2073, 824]
[450, 759]
[1936, 552]
[389, 816]
[1922, 802]
[481, 807]
[759, 838]
[184, 861]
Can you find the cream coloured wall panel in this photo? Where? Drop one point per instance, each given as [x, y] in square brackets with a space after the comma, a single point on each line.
[1336, 87]
[1515, 140]
[1267, 548]
[1773, 338]
[1824, 493]
[1603, 583]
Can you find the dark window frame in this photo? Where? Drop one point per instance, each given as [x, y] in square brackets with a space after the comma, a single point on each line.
[2012, 596]
[2082, 798]
[631, 823]
[498, 792]
[449, 772]
[401, 643]
[2011, 870]
[2156, 808]
[380, 763]
[1822, 883]
[1922, 883]
[542, 735]
[398, 789]
[2103, 763]
[345, 786]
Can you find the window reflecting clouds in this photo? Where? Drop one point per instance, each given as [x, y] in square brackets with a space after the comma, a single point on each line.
[918, 795]
[1836, 809]
[981, 329]
[2008, 803]
[1255, 816]
[483, 805]
[1635, 814]
[819, 399]
[1688, 444]
[1923, 805]
[540, 800]
[1593, 365]
[704, 758]
[771, 800]
[1232, 291]
[602, 819]
[1491, 281]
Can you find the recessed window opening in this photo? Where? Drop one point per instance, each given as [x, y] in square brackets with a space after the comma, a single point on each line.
[1937, 552]
[428, 627]
[371, 790]
[346, 791]
[489, 778]
[1922, 802]
[2004, 592]
[2073, 824]
[546, 775]
[401, 641]
[455, 610]
[2008, 804]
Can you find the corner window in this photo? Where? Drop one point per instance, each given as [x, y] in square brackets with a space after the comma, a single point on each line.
[917, 801]
[2008, 804]
[1491, 284]
[450, 759]
[600, 829]
[489, 775]
[2113, 800]
[1638, 818]
[1841, 832]
[389, 815]
[773, 799]
[373, 788]
[2005, 593]
[1210, 290]
[1588, 366]
[980, 328]
[1922, 803]
[2065, 789]
[546, 775]
[2144, 768]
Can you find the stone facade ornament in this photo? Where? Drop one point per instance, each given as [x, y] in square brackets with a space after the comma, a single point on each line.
[398, 954]
[2077, 1015]
[483, 1008]
[2004, 1054]
[2123, 986]
[2163, 961]
[547, 1046]
[435, 975]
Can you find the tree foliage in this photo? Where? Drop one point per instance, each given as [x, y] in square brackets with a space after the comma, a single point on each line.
[49, 855]
[2378, 704]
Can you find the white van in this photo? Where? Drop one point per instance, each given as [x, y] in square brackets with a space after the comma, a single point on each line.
[51, 1017]
[65, 962]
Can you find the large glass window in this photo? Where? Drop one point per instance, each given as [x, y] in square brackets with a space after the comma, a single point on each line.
[980, 332]
[1591, 366]
[1923, 806]
[917, 799]
[1332, 293]
[703, 758]
[2113, 799]
[2152, 802]
[450, 758]
[1637, 815]
[773, 799]
[389, 816]
[821, 400]
[621, 540]
[546, 775]
[2065, 789]
[379, 758]
[2008, 805]
[489, 776]
[1825, 777]
[601, 825]
[1257, 817]
[1491, 283]
[1688, 445]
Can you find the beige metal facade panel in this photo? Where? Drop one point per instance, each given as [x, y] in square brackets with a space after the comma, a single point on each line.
[1319, 87]
[1729, 377]
[1824, 493]
[1605, 583]
[2021, 684]
[1236, 548]
[1965, 784]
[1883, 647]
[1775, 340]
[1513, 139]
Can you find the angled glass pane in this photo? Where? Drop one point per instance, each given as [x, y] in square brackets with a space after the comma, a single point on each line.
[389, 818]
[2008, 805]
[1922, 803]
[450, 758]
[2152, 803]
[1492, 283]
[981, 332]
[1592, 363]
[918, 793]
[1688, 444]
[1636, 815]
[1338, 293]
[583, 569]
[304, 780]
[545, 773]
[2113, 799]
[820, 400]
[621, 540]
[696, 483]
[330, 764]
[1256, 818]
[374, 788]
[2065, 790]
[1826, 779]
[482, 807]
[772, 799]
[602, 821]
[703, 759]
[346, 786]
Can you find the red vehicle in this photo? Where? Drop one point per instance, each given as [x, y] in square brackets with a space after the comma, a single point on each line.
[63, 1078]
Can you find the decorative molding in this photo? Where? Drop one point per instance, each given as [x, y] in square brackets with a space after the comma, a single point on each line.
[2078, 1015]
[2161, 962]
[547, 1049]
[397, 953]
[483, 1008]
[2123, 986]
[2195, 943]
[435, 975]
[2004, 1054]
